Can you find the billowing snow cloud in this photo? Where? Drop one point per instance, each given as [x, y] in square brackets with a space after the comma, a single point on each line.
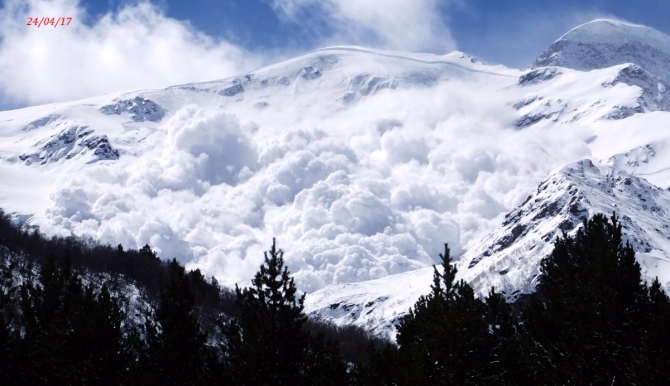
[134, 48]
[374, 189]
[139, 47]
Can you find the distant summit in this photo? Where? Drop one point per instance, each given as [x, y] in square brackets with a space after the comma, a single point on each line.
[605, 43]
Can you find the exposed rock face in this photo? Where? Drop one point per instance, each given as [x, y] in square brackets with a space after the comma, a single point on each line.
[642, 54]
[539, 75]
[607, 43]
[509, 258]
[139, 108]
[633, 158]
[655, 95]
[40, 122]
[69, 143]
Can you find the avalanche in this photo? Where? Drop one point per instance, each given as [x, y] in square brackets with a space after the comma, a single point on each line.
[362, 163]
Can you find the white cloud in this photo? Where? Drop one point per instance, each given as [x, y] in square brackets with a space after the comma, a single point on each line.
[210, 143]
[134, 48]
[346, 200]
[407, 25]
[352, 192]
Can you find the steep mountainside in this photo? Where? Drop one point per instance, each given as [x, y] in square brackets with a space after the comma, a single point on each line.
[629, 141]
[362, 163]
[605, 43]
[509, 258]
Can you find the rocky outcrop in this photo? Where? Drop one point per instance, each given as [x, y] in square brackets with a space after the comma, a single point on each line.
[140, 109]
[69, 143]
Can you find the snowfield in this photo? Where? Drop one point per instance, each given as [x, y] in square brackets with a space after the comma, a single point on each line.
[363, 163]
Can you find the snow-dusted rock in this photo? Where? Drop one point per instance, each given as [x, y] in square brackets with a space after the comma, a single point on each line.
[605, 43]
[361, 162]
[69, 143]
[509, 258]
[140, 109]
[37, 123]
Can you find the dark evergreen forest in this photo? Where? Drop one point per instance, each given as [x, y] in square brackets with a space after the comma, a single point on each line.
[69, 316]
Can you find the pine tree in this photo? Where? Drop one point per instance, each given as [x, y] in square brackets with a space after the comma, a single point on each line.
[60, 320]
[506, 356]
[10, 353]
[323, 365]
[383, 368]
[267, 345]
[589, 313]
[175, 351]
[144, 251]
[443, 340]
[102, 319]
[652, 365]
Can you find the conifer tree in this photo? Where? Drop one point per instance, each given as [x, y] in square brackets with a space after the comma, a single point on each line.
[383, 368]
[175, 351]
[109, 356]
[443, 340]
[506, 357]
[323, 364]
[652, 365]
[144, 251]
[589, 313]
[9, 336]
[61, 319]
[267, 345]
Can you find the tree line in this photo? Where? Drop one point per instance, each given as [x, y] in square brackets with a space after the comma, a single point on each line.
[592, 321]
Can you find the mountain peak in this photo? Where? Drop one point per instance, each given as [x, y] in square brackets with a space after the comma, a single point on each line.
[605, 43]
[569, 195]
[509, 258]
[614, 31]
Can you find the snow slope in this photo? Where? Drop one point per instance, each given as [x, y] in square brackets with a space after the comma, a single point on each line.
[509, 258]
[605, 43]
[210, 172]
[361, 162]
[569, 195]
[629, 136]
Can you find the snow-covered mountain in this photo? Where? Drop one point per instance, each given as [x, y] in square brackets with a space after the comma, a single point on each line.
[569, 195]
[605, 43]
[509, 258]
[363, 163]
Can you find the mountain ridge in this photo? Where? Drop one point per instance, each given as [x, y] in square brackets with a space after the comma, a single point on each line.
[362, 162]
[509, 257]
[604, 43]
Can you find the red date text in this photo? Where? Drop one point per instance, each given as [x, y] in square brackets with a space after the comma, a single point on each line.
[49, 21]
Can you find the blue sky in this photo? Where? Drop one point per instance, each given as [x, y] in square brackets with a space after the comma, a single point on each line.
[116, 45]
[510, 32]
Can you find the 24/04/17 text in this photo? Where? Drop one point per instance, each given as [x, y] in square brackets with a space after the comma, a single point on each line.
[55, 22]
